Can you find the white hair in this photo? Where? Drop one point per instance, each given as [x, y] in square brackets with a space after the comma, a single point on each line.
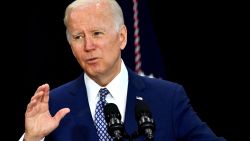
[115, 9]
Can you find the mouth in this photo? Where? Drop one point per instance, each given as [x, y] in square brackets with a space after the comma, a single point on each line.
[92, 60]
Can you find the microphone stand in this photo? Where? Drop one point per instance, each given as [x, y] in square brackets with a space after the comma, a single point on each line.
[136, 134]
[118, 136]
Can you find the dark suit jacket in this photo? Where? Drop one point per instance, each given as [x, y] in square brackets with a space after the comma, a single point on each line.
[173, 115]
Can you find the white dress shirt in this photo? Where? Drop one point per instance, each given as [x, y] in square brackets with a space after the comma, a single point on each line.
[118, 88]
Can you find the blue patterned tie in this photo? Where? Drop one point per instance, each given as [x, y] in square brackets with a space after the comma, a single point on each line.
[100, 122]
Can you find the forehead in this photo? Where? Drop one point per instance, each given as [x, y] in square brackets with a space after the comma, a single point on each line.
[93, 13]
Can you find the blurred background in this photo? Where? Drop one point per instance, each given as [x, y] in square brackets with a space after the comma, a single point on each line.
[200, 45]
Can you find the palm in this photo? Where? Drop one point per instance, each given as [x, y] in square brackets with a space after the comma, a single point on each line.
[38, 120]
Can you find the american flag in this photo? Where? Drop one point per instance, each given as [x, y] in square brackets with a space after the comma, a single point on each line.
[142, 53]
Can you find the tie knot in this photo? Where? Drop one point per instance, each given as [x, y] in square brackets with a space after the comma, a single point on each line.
[103, 92]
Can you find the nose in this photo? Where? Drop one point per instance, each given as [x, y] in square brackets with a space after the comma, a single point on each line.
[89, 44]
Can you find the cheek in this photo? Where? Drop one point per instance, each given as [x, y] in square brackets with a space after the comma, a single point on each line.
[113, 53]
[76, 50]
[72, 49]
[113, 46]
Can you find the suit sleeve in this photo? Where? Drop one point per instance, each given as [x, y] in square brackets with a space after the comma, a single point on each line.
[188, 126]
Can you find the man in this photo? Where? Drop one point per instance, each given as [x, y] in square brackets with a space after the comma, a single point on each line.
[97, 34]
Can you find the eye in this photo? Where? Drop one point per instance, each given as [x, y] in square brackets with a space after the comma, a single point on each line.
[77, 37]
[97, 33]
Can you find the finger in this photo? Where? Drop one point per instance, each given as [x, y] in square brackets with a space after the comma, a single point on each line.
[46, 94]
[38, 96]
[46, 87]
[43, 88]
[30, 107]
[61, 113]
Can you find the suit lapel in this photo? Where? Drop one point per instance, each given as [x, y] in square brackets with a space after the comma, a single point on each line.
[81, 111]
[82, 115]
[135, 88]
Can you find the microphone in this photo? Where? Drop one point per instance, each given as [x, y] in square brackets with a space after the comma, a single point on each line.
[113, 118]
[144, 119]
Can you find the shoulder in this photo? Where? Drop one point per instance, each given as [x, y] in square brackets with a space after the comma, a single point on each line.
[163, 88]
[156, 84]
[66, 94]
[68, 87]
[156, 89]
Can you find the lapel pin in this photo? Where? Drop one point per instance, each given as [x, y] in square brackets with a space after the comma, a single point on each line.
[139, 98]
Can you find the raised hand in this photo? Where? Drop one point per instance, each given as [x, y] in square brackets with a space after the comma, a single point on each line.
[38, 120]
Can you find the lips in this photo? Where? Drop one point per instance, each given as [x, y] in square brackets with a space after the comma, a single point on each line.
[92, 60]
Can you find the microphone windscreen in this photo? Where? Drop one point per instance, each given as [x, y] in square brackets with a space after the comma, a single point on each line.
[111, 110]
[141, 109]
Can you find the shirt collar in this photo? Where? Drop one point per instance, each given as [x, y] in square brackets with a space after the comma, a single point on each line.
[115, 86]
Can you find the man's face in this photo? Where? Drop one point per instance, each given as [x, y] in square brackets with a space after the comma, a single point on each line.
[94, 41]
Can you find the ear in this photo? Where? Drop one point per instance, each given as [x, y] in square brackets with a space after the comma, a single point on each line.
[123, 37]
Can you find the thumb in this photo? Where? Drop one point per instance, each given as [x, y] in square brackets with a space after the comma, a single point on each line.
[61, 113]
